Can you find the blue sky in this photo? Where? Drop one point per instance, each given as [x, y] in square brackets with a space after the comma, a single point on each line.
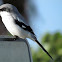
[48, 18]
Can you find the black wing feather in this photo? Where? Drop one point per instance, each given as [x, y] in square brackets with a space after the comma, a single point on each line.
[27, 28]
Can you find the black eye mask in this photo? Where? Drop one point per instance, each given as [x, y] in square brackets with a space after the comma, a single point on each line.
[5, 9]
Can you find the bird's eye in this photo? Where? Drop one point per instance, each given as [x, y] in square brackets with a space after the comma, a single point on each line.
[3, 9]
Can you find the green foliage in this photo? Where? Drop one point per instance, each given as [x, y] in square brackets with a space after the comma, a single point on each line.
[53, 44]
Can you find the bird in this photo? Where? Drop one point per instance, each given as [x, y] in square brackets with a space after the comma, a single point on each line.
[16, 24]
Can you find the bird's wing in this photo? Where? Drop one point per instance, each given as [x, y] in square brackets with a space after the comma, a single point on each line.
[19, 20]
[24, 26]
[19, 16]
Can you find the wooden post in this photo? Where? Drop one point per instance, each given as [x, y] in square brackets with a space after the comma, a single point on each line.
[12, 50]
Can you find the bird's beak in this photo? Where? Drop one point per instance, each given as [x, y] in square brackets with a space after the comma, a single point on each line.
[0, 9]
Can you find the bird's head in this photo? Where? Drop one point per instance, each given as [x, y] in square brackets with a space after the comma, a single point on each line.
[7, 8]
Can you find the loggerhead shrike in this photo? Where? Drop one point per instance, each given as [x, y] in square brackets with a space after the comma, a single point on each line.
[16, 24]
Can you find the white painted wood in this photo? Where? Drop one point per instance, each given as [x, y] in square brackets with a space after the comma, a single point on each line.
[14, 50]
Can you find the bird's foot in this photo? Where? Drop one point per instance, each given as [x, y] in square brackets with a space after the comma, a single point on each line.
[16, 37]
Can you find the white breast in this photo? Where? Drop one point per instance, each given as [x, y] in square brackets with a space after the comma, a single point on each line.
[9, 23]
[7, 20]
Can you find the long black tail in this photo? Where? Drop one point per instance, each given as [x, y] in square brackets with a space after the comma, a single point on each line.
[44, 49]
